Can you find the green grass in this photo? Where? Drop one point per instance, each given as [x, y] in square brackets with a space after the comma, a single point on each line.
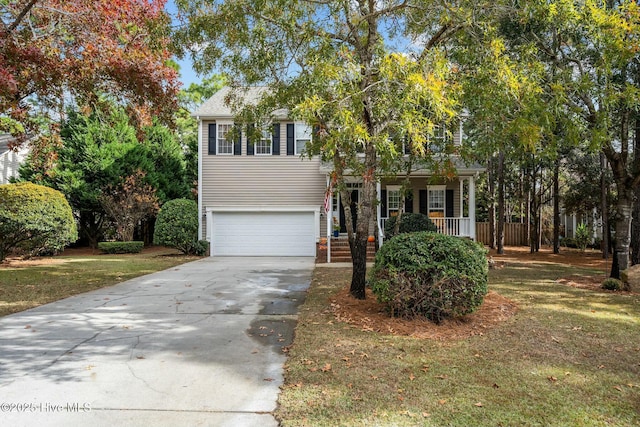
[25, 286]
[569, 357]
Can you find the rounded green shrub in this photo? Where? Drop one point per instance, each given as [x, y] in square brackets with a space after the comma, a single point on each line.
[431, 275]
[409, 223]
[177, 226]
[612, 284]
[34, 219]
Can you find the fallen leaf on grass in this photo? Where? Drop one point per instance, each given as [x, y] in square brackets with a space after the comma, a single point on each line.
[479, 404]
[552, 379]
[441, 377]
[326, 367]
[412, 377]
[617, 387]
[442, 401]
[426, 414]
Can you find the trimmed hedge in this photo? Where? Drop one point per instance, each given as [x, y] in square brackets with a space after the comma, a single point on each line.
[409, 223]
[431, 275]
[177, 227]
[34, 219]
[132, 247]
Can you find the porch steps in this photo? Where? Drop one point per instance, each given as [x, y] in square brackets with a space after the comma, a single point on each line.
[340, 251]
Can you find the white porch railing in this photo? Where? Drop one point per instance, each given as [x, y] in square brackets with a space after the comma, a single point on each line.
[460, 227]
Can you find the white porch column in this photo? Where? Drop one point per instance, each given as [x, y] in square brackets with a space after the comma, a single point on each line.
[472, 208]
[379, 212]
[461, 198]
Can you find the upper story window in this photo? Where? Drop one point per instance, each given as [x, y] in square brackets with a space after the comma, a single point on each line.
[224, 139]
[264, 144]
[302, 137]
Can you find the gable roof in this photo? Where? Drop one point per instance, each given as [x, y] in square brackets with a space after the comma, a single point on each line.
[217, 108]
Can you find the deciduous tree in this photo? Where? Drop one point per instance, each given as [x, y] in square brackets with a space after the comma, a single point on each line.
[51, 50]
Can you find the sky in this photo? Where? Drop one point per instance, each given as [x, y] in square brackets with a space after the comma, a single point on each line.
[187, 75]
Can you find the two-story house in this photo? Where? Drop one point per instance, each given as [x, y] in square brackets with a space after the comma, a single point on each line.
[263, 199]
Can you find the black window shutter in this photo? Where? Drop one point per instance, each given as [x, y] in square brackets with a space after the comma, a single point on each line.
[405, 144]
[383, 204]
[212, 138]
[408, 203]
[290, 139]
[250, 144]
[237, 146]
[423, 201]
[275, 140]
[449, 204]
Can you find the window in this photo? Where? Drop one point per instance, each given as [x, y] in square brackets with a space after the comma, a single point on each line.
[225, 145]
[436, 205]
[393, 200]
[439, 139]
[263, 145]
[303, 137]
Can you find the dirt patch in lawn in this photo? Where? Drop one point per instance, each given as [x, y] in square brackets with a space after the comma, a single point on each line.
[369, 315]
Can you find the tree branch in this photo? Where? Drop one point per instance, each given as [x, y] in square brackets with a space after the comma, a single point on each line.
[25, 10]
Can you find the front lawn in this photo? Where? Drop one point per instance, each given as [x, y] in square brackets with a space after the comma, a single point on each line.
[30, 283]
[568, 357]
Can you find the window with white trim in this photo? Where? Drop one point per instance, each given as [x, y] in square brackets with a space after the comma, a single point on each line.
[303, 137]
[436, 201]
[224, 144]
[393, 200]
[439, 139]
[263, 145]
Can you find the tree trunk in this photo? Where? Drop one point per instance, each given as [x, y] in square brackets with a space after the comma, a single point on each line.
[358, 240]
[604, 206]
[635, 222]
[556, 206]
[624, 208]
[500, 236]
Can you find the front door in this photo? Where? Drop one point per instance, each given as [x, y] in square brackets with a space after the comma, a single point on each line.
[354, 210]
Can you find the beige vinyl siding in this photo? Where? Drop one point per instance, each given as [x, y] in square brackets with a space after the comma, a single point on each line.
[260, 181]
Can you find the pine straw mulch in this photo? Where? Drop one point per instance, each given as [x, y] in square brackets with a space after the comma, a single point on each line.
[369, 315]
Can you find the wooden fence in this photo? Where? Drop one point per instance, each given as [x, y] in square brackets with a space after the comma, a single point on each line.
[515, 233]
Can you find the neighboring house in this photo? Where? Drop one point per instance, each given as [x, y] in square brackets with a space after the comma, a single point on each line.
[263, 199]
[10, 160]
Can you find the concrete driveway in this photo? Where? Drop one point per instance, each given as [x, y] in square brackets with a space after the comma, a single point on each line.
[199, 344]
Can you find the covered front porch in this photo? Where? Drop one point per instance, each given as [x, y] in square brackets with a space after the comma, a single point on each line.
[449, 203]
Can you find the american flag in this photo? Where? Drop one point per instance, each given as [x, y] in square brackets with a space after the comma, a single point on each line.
[327, 200]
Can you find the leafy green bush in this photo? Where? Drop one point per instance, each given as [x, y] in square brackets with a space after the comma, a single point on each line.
[177, 226]
[429, 274]
[34, 219]
[201, 248]
[612, 284]
[409, 223]
[583, 236]
[131, 247]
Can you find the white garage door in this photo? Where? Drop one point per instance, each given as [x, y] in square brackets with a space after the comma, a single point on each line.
[263, 234]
